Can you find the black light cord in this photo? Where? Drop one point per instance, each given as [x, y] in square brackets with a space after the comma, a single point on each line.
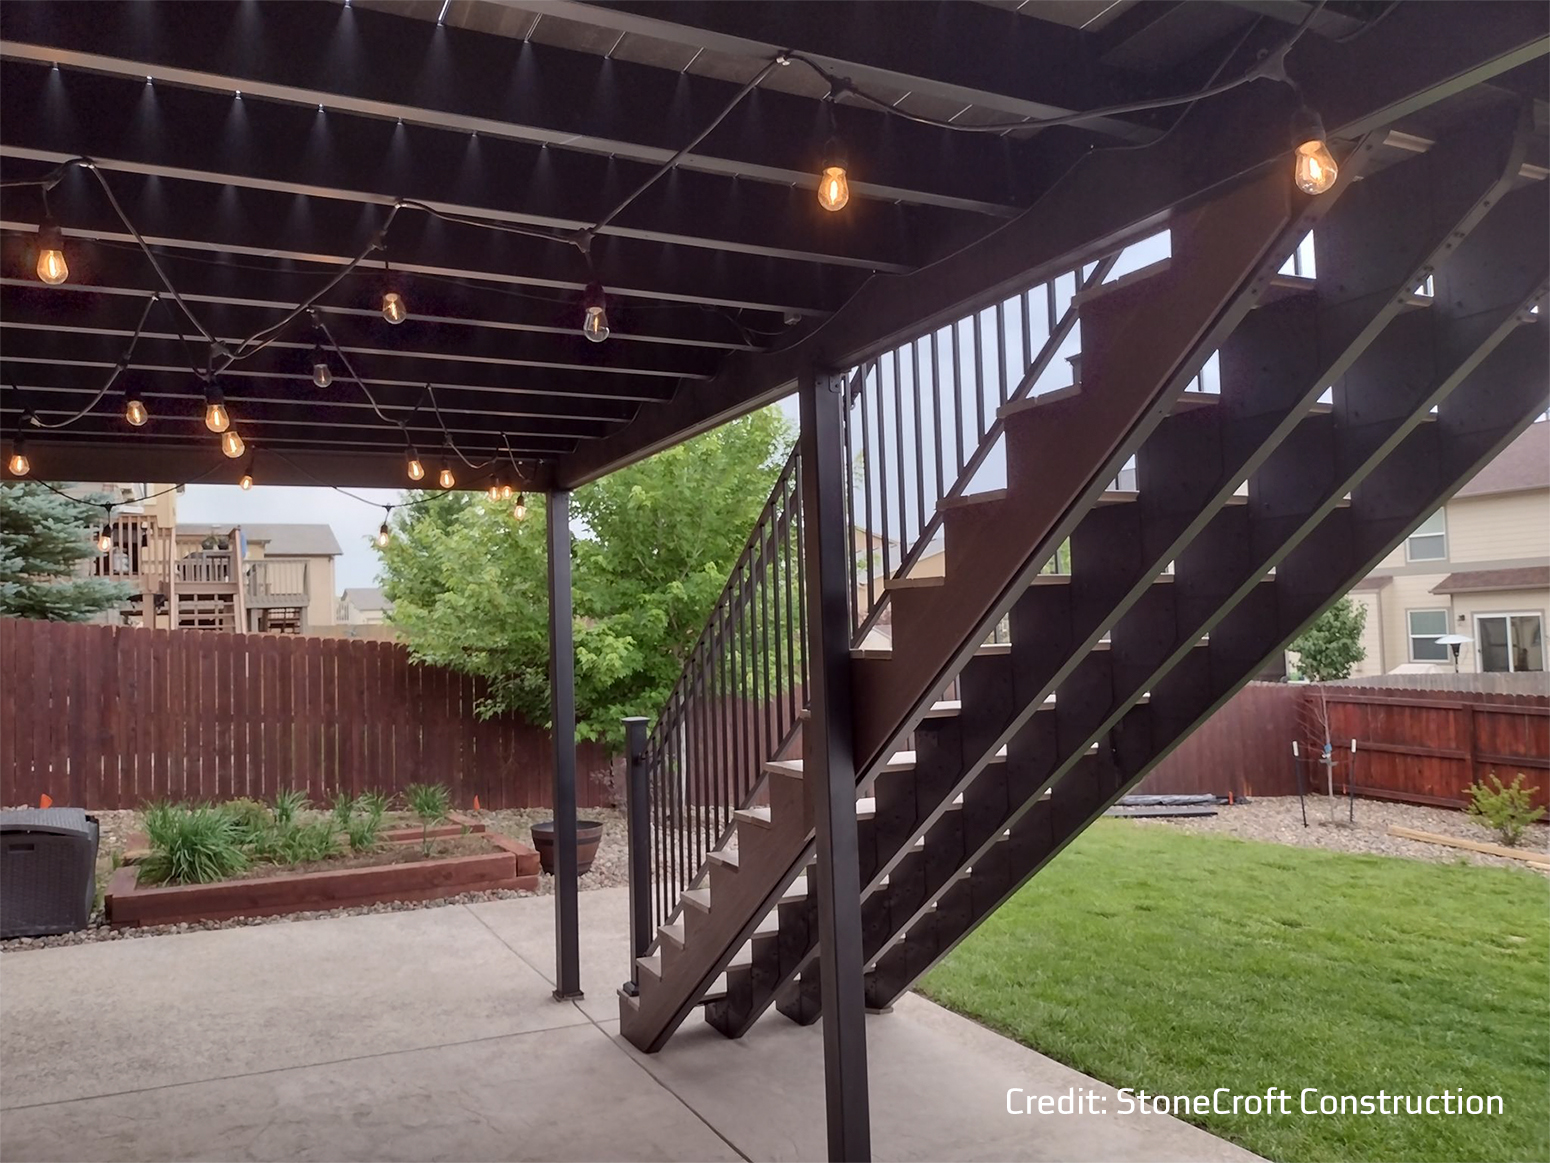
[118, 369]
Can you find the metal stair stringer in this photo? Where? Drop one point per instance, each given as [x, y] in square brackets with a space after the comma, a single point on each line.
[1502, 396]
[1357, 304]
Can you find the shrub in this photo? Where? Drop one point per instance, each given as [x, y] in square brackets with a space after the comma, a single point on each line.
[344, 808]
[249, 818]
[362, 832]
[373, 803]
[190, 845]
[300, 843]
[288, 805]
[431, 803]
[1506, 810]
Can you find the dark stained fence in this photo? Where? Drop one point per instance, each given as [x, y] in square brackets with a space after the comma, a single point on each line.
[1422, 746]
[111, 717]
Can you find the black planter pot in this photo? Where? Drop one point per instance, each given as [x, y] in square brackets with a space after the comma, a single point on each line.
[588, 834]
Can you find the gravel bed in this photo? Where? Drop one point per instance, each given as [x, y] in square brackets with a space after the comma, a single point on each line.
[609, 870]
[1278, 820]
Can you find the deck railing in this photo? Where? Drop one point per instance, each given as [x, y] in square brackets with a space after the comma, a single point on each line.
[269, 579]
[212, 567]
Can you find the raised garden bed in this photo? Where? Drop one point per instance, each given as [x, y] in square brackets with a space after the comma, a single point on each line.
[138, 844]
[507, 864]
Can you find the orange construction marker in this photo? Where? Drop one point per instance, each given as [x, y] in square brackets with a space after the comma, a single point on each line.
[476, 803]
[45, 800]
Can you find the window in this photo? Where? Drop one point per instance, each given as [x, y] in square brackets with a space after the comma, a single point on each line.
[1510, 642]
[1426, 626]
[1429, 542]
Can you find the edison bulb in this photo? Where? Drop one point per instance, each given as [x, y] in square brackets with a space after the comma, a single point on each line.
[595, 325]
[494, 492]
[446, 479]
[833, 188]
[519, 510]
[415, 468]
[216, 417]
[52, 268]
[1316, 168]
[19, 464]
[505, 492]
[134, 411]
[105, 540]
[394, 310]
[231, 444]
[383, 536]
[246, 482]
[322, 374]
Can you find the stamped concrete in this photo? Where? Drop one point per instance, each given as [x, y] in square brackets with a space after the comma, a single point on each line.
[432, 1034]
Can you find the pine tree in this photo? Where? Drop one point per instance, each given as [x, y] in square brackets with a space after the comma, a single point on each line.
[43, 537]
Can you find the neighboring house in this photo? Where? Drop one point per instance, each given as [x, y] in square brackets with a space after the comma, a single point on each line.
[1479, 566]
[363, 606]
[287, 572]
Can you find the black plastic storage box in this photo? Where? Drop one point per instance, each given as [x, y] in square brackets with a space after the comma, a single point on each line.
[48, 871]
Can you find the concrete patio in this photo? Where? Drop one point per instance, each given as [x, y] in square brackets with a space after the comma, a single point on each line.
[433, 1035]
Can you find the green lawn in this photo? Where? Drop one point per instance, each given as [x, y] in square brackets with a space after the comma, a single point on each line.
[1179, 963]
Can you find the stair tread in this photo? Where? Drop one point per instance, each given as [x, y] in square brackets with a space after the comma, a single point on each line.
[758, 814]
[1013, 407]
[969, 500]
[697, 897]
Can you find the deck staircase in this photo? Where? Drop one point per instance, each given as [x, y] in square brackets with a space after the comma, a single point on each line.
[1202, 525]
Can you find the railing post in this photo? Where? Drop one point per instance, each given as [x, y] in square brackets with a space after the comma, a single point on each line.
[830, 766]
[639, 818]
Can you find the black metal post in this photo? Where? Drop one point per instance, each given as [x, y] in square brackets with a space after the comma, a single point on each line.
[830, 767]
[639, 809]
[562, 695]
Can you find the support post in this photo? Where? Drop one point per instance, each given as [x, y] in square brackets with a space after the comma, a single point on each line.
[830, 765]
[562, 701]
[639, 815]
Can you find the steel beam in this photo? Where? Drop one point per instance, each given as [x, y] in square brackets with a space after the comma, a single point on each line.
[995, 60]
[829, 764]
[269, 224]
[340, 57]
[1418, 55]
[127, 126]
[562, 698]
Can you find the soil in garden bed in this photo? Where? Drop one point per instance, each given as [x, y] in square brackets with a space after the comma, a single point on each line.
[474, 844]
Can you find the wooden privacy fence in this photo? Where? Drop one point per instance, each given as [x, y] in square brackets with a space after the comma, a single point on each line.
[1423, 746]
[110, 717]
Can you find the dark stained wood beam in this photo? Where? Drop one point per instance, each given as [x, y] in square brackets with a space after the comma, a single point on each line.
[1419, 55]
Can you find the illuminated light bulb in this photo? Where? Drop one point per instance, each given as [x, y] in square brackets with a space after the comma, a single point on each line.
[383, 536]
[52, 268]
[833, 188]
[519, 510]
[105, 540]
[216, 417]
[505, 492]
[494, 492]
[246, 482]
[231, 444]
[594, 325]
[322, 374]
[446, 479]
[134, 411]
[1315, 170]
[394, 310]
[19, 465]
[415, 469]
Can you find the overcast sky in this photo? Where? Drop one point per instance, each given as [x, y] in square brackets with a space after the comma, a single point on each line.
[354, 524]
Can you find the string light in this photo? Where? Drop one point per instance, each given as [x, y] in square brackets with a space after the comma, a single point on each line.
[415, 469]
[494, 492]
[594, 324]
[1315, 170]
[384, 535]
[505, 492]
[246, 482]
[446, 479]
[322, 374]
[105, 539]
[216, 417]
[833, 185]
[134, 410]
[231, 444]
[52, 268]
[519, 510]
[394, 309]
[19, 465]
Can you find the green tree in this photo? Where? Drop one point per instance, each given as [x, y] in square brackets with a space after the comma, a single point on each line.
[43, 538]
[1331, 647]
[652, 547]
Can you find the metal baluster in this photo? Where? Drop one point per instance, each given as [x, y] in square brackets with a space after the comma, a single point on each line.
[1001, 348]
[898, 441]
[957, 399]
[865, 526]
[979, 378]
[882, 471]
[851, 523]
[936, 417]
[920, 454]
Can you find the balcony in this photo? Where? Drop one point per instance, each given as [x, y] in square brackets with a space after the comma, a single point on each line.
[275, 583]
